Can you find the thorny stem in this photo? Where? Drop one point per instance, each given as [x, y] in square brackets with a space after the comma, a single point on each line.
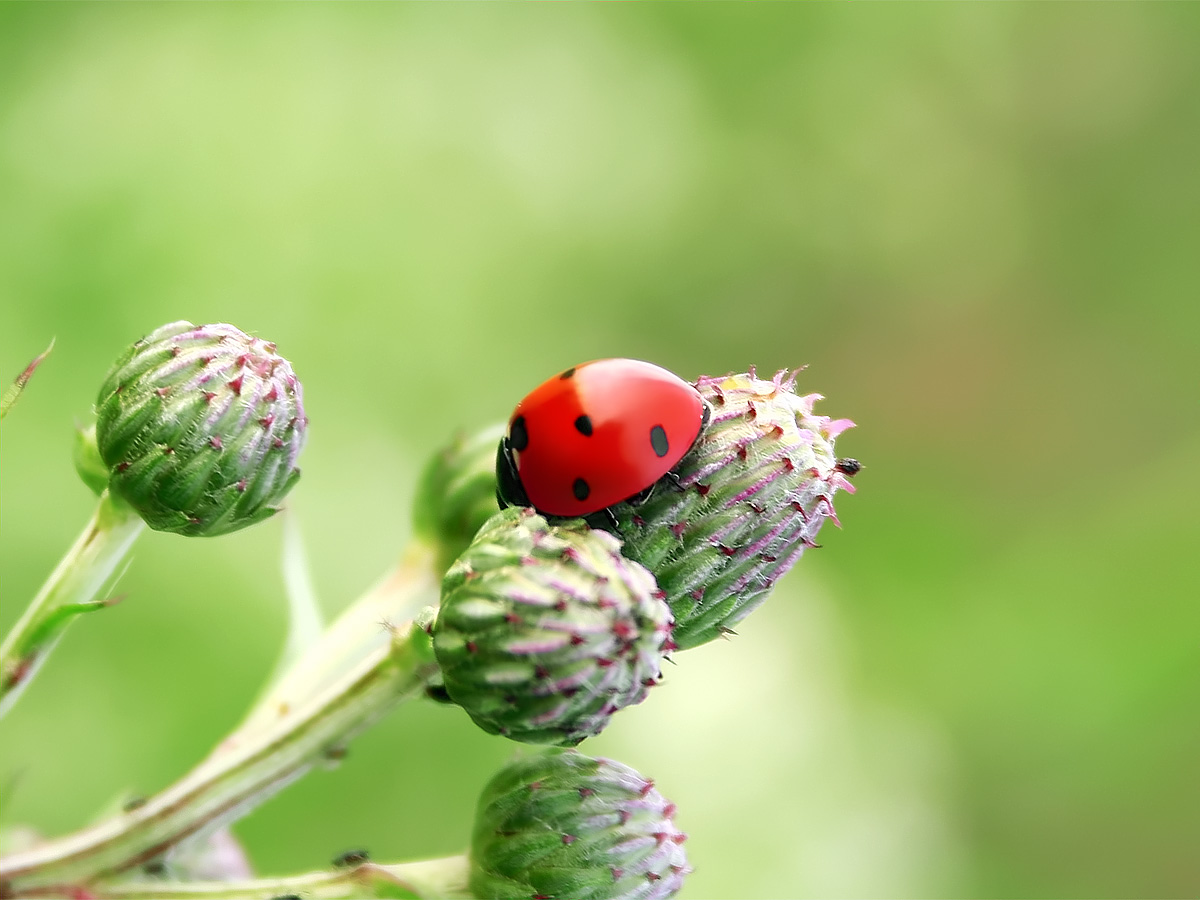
[425, 880]
[69, 592]
[276, 745]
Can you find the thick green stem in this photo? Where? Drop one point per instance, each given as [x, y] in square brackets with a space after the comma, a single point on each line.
[70, 591]
[425, 880]
[238, 775]
[364, 627]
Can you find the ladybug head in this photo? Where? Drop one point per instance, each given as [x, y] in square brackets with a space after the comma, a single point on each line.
[509, 491]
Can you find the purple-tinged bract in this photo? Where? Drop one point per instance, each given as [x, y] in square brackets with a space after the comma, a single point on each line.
[741, 507]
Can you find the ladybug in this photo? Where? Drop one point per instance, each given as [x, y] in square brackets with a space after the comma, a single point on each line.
[594, 435]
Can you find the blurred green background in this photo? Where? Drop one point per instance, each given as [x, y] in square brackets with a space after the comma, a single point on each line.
[978, 226]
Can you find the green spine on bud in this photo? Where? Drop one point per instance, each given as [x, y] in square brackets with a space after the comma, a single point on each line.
[747, 500]
[561, 824]
[200, 428]
[456, 494]
[546, 630]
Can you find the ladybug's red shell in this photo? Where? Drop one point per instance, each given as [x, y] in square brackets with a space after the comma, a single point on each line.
[598, 434]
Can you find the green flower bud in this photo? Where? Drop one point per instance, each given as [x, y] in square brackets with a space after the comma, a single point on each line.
[457, 493]
[200, 428]
[745, 503]
[546, 630]
[561, 824]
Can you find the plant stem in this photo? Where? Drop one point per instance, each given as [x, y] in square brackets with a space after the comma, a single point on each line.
[70, 591]
[239, 774]
[361, 629]
[435, 878]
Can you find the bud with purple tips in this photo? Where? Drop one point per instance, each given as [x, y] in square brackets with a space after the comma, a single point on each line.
[546, 630]
[741, 507]
[561, 824]
[200, 428]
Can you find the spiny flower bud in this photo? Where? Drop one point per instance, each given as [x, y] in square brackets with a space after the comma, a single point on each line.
[200, 428]
[747, 500]
[561, 824]
[546, 630]
[457, 493]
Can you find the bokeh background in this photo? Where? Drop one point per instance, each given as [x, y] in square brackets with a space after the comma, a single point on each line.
[977, 225]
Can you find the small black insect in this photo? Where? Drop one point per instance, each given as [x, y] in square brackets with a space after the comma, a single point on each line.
[848, 467]
[438, 693]
[351, 858]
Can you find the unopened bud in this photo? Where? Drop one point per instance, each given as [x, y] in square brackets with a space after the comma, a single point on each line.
[200, 428]
[741, 507]
[546, 630]
[561, 824]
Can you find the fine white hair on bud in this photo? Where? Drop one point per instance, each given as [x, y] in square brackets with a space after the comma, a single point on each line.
[545, 631]
[741, 507]
[200, 428]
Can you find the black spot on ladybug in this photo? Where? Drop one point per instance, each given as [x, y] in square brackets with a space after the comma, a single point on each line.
[848, 467]
[580, 489]
[584, 426]
[658, 440]
[518, 436]
[705, 416]
[567, 374]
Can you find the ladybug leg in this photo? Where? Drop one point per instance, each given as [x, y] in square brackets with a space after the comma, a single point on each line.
[604, 520]
[612, 519]
[640, 497]
[509, 491]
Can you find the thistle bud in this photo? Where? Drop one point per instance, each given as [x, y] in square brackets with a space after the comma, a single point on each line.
[457, 493]
[561, 824]
[743, 506]
[200, 428]
[546, 630]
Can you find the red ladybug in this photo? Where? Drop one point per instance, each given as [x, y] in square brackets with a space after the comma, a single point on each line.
[595, 435]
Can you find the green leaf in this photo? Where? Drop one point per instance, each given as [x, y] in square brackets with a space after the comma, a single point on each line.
[14, 390]
[88, 464]
[305, 623]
